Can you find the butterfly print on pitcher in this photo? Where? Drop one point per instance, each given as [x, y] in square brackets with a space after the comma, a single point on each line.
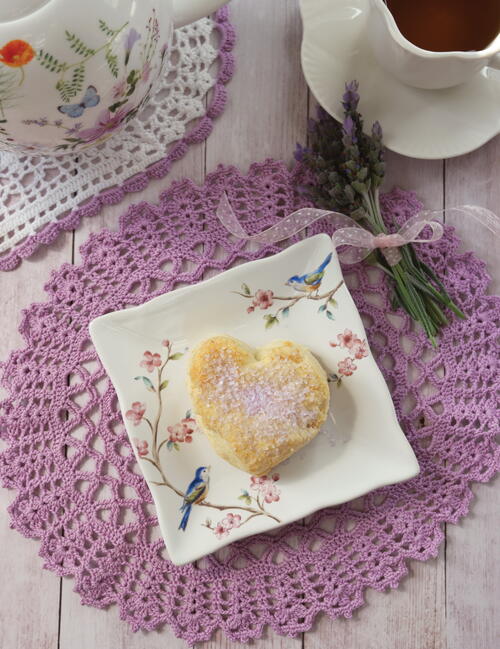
[89, 100]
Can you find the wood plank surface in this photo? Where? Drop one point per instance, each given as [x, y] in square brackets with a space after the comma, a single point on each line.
[472, 556]
[29, 595]
[447, 603]
[267, 108]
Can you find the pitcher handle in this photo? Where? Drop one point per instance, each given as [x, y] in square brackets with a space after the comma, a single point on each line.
[188, 11]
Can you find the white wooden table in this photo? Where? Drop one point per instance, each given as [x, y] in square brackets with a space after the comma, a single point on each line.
[447, 603]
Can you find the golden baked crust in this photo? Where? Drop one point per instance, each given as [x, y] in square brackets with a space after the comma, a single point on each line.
[257, 407]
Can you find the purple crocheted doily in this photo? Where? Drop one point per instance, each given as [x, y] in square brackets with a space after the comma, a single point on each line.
[78, 485]
[198, 132]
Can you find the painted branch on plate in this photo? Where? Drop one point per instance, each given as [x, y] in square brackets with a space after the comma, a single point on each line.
[182, 432]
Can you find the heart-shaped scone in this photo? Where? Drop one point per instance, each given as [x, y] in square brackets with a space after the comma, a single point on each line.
[257, 407]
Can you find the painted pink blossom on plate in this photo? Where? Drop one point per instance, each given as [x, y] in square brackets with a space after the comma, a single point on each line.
[357, 349]
[232, 520]
[360, 349]
[346, 367]
[220, 531]
[265, 490]
[181, 432]
[142, 446]
[266, 487]
[136, 412]
[345, 340]
[150, 361]
[223, 527]
[263, 299]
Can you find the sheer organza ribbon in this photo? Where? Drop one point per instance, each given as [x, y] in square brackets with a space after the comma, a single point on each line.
[358, 243]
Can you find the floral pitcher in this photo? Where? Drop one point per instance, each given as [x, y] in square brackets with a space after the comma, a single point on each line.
[72, 73]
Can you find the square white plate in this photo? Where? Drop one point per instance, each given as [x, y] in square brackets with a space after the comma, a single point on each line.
[361, 448]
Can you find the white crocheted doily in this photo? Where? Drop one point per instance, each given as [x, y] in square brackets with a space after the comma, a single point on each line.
[38, 190]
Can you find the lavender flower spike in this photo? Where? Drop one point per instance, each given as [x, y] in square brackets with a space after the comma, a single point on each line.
[377, 130]
[299, 152]
[350, 98]
[349, 128]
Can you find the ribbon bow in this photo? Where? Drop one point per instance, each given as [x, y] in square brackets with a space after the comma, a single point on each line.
[360, 242]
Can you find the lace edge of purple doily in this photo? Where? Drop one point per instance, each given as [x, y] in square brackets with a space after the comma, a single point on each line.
[347, 611]
[138, 182]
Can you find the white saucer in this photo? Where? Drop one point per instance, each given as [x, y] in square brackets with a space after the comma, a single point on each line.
[418, 123]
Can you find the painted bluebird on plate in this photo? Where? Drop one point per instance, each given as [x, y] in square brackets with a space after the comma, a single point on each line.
[310, 281]
[195, 493]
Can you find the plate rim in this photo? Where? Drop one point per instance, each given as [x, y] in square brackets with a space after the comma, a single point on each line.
[177, 293]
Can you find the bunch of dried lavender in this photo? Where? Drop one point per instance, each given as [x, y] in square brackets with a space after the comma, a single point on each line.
[348, 167]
